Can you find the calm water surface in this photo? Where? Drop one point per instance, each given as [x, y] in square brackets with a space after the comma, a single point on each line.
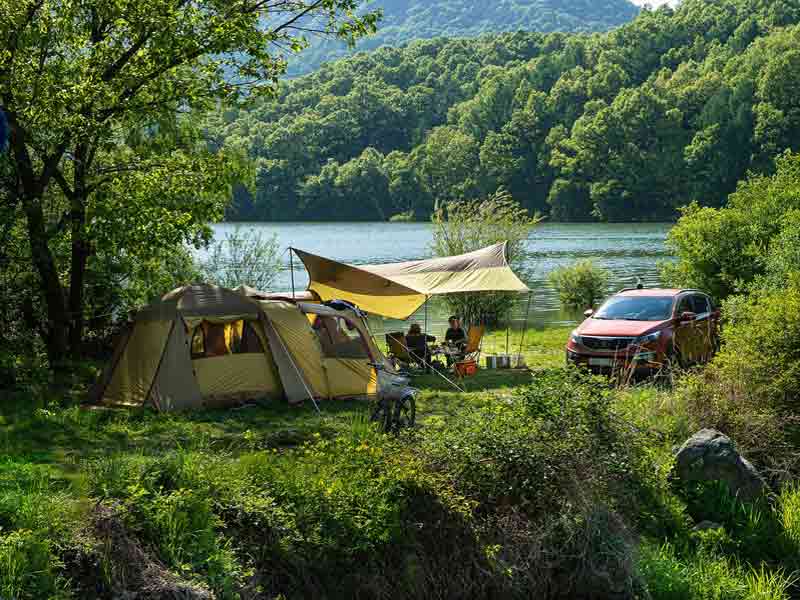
[629, 251]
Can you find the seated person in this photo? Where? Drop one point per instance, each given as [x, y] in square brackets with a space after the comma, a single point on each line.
[418, 344]
[455, 337]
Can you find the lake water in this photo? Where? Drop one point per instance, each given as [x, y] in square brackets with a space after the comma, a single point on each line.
[630, 251]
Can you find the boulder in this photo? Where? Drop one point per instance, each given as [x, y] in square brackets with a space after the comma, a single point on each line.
[707, 526]
[711, 456]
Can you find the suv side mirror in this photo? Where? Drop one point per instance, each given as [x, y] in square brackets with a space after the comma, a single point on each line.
[687, 317]
[588, 312]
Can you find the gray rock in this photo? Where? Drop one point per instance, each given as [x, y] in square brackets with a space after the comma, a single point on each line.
[711, 456]
[706, 525]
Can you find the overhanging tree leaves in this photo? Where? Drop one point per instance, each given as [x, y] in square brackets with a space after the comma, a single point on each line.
[79, 76]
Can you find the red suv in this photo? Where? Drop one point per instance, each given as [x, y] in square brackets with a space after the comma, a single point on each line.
[645, 329]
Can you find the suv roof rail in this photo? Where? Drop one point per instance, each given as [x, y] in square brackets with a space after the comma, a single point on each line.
[680, 291]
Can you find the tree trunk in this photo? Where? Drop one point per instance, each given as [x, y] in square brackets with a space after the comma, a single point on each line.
[77, 281]
[55, 332]
[31, 190]
[79, 253]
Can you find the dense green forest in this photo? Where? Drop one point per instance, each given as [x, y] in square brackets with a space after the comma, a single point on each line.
[407, 20]
[676, 106]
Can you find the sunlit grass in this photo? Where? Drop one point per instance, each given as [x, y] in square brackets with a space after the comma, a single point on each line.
[181, 467]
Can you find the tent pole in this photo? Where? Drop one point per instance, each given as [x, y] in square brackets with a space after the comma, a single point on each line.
[525, 327]
[291, 268]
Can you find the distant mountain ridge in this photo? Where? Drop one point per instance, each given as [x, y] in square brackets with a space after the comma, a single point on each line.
[408, 20]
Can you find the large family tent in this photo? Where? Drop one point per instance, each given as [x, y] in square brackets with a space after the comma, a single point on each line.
[204, 346]
[397, 290]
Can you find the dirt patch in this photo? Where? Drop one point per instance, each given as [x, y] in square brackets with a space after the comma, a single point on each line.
[112, 563]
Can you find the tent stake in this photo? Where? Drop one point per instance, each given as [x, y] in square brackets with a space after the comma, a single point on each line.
[525, 327]
[291, 268]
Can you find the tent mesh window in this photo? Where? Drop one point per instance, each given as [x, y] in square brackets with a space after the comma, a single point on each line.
[221, 339]
[339, 338]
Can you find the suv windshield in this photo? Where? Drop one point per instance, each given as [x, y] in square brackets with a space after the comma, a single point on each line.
[636, 308]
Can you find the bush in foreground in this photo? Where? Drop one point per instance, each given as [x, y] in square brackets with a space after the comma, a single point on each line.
[542, 492]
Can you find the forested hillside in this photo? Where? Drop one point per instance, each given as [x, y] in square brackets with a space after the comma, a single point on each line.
[628, 125]
[407, 20]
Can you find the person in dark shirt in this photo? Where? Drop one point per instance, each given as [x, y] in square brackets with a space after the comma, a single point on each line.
[455, 335]
[418, 344]
[455, 338]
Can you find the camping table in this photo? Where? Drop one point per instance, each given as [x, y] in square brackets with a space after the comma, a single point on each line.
[451, 352]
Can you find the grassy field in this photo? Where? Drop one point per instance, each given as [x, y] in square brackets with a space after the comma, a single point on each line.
[269, 500]
[63, 438]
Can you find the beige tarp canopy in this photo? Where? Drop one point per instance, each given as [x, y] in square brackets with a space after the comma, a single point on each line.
[397, 290]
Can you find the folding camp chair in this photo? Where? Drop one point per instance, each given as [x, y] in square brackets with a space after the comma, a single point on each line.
[472, 351]
[467, 363]
[398, 348]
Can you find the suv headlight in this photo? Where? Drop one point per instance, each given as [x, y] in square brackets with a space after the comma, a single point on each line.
[575, 338]
[646, 339]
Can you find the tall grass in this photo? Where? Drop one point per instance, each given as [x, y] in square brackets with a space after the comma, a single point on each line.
[668, 574]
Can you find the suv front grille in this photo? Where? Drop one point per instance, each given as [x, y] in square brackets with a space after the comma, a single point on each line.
[612, 344]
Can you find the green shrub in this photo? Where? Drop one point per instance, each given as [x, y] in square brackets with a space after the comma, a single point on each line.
[761, 351]
[751, 389]
[27, 566]
[580, 285]
[243, 257]
[557, 481]
[38, 516]
[722, 251]
[465, 226]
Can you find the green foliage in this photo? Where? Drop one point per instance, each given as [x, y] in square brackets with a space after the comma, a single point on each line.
[109, 165]
[629, 125]
[26, 566]
[403, 21]
[789, 508]
[463, 226]
[724, 250]
[703, 576]
[529, 451]
[243, 257]
[581, 285]
[761, 355]
[549, 485]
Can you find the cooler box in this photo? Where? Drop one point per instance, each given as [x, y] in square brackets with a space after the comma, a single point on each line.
[466, 368]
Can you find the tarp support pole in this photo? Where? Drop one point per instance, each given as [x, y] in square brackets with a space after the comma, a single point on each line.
[525, 327]
[425, 329]
[291, 268]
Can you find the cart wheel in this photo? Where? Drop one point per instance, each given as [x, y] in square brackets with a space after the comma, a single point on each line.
[405, 413]
[382, 414]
